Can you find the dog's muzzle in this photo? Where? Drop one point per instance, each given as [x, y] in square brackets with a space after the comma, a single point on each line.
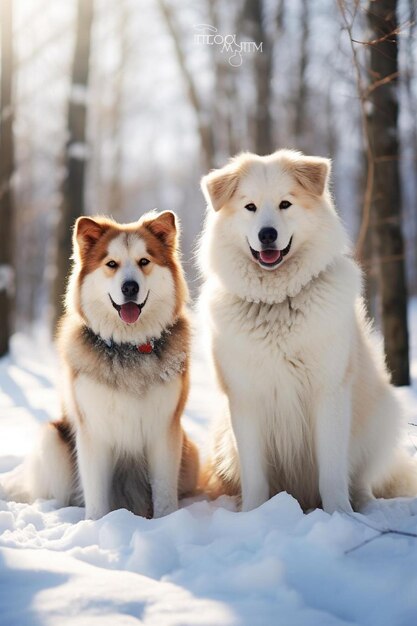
[270, 257]
[129, 312]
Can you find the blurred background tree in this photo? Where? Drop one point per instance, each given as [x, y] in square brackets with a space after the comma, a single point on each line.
[386, 222]
[76, 152]
[124, 112]
[6, 174]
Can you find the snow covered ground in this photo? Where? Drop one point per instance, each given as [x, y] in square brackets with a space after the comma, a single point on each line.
[206, 564]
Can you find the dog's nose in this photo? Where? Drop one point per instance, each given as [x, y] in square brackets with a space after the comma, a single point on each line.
[267, 235]
[130, 289]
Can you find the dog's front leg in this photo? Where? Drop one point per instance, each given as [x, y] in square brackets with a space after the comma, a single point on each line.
[164, 458]
[253, 475]
[333, 423]
[96, 471]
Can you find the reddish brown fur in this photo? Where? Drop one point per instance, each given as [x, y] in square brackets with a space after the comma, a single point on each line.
[65, 432]
[189, 470]
[92, 237]
[310, 173]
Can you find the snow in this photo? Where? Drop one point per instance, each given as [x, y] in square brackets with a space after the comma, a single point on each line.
[205, 564]
[79, 151]
[6, 278]
[78, 94]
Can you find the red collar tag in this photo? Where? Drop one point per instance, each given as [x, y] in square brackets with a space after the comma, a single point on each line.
[146, 348]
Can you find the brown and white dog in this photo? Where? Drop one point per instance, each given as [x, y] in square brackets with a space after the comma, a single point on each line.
[124, 345]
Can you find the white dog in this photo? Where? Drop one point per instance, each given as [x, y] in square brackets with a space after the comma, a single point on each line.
[312, 411]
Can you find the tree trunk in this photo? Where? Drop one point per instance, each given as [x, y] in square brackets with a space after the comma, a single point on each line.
[116, 187]
[76, 150]
[254, 27]
[204, 130]
[387, 237]
[300, 107]
[226, 102]
[6, 173]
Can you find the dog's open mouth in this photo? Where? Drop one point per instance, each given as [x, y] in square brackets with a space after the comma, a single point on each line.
[271, 257]
[129, 311]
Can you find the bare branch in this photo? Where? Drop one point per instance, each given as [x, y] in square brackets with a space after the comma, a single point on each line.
[373, 42]
[362, 93]
[379, 83]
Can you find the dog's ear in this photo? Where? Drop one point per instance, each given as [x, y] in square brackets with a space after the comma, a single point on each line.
[165, 227]
[312, 173]
[219, 185]
[87, 232]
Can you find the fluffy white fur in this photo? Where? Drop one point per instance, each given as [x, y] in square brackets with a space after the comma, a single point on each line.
[311, 409]
[117, 425]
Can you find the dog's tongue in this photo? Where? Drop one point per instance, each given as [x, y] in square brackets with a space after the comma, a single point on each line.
[129, 312]
[270, 256]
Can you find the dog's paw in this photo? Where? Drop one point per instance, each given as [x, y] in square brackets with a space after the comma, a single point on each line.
[161, 510]
[95, 514]
[337, 506]
[255, 499]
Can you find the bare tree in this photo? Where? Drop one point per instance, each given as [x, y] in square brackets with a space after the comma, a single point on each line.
[204, 129]
[364, 248]
[409, 142]
[253, 24]
[116, 182]
[225, 106]
[380, 237]
[363, 92]
[301, 97]
[6, 173]
[387, 236]
[76, 149]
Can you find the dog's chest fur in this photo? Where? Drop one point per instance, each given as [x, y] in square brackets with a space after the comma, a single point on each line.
[268, 340]
[120, 419]
[273, 359]
[290, 339]
[261, 357]
[123, 396]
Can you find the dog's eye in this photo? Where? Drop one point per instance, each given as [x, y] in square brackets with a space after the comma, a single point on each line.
[112, 264]
[143, 262]
[250, 207]
[284, 204]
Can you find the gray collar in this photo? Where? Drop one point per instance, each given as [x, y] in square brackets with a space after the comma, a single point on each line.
[152, 346]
